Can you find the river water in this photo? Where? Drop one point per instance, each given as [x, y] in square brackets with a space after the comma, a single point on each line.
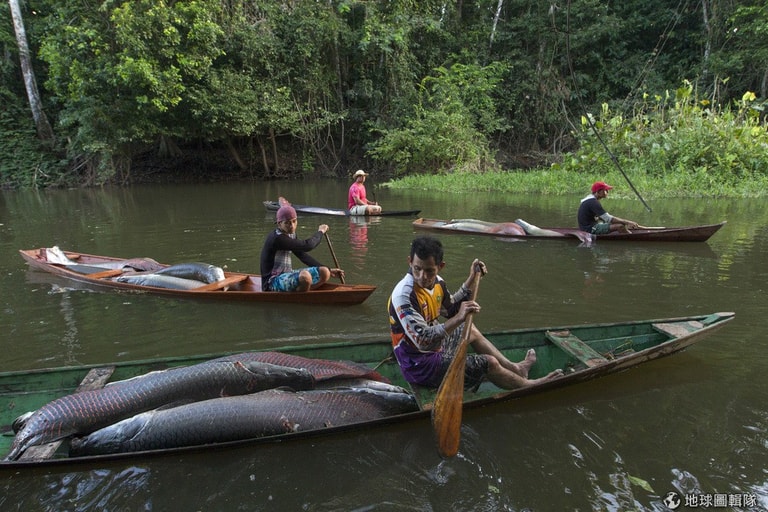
[695, 422]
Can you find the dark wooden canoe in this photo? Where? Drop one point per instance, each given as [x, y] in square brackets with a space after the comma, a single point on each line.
[93, 271]
[583, 352]
[515, 231]
[273, 206]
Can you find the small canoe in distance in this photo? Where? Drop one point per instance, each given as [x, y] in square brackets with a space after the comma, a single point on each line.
[104, 272]
[523, 230]
[583, 352]
[273, 206]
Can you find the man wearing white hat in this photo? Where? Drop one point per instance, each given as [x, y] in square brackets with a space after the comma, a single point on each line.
[357, 203]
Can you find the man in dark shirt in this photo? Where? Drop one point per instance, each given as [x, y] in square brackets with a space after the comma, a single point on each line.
[594, 219]
[277, 273]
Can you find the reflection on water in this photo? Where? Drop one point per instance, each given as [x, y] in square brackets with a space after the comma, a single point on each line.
[693, 421]
[358, 238]
[69, 339]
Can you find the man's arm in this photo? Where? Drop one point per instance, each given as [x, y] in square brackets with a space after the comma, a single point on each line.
[629, 223]
[300, 248]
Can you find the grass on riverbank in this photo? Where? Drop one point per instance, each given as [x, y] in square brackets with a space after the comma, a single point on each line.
[551, 182]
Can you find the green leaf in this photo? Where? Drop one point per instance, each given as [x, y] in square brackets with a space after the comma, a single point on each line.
[641, 483]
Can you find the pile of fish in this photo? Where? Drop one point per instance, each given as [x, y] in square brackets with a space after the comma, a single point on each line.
[226, 399]
[146, 271]
[519, 228]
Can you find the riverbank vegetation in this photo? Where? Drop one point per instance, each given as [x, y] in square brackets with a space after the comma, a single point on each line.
[676, 145]
[121, 92]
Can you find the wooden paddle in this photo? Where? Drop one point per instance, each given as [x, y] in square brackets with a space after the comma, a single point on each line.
[446, 412]
[651, 227]
[333, 255]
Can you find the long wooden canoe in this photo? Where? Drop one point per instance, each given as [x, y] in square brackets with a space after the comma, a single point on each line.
[273, 206]
[103, 272]
[523, 230]
[583, 352]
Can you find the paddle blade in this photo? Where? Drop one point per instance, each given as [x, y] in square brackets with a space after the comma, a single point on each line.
[446, 413]
[449, 401]
[447, 409]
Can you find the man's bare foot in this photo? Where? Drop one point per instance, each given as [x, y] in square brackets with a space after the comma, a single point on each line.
[525, 365]
[551, 375]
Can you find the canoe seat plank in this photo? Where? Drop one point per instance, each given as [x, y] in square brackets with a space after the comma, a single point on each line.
[218, 285]
[106, 273]
[677, 329]
[715, 317]
[95, 379]
[575, 347]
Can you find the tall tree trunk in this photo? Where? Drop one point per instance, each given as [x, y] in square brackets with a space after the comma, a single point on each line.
[707, 43]
[264, 162]
[496, 20]
[44, 130]
[274, 150]
[235, 154]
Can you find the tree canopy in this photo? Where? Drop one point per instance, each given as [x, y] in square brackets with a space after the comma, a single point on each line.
[282, 88]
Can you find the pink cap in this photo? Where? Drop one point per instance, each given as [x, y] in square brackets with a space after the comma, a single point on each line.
[286, 212]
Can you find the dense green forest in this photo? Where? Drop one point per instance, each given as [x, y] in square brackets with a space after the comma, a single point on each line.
[122, 91]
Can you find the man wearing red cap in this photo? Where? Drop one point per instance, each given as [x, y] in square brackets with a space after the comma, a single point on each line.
[277, 273]
[594, 219]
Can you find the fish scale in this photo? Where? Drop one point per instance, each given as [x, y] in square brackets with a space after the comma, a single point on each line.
[84, 412]
[321, 369]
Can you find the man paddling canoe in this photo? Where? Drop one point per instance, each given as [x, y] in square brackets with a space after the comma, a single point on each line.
[424, 347]
[277, 273]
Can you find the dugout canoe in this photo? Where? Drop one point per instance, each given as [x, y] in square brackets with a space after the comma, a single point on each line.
[273, 206]
[523, 230]
[104, 271]
[583, 352]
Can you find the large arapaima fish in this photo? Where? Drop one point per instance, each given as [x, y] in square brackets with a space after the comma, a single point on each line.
[86, 411]
[160, 281]
[321, 369]
[266, 413]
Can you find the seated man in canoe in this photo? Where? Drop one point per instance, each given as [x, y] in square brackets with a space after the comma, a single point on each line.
[277, 273]
[424, 347]
[594, 219]
[357, 202]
